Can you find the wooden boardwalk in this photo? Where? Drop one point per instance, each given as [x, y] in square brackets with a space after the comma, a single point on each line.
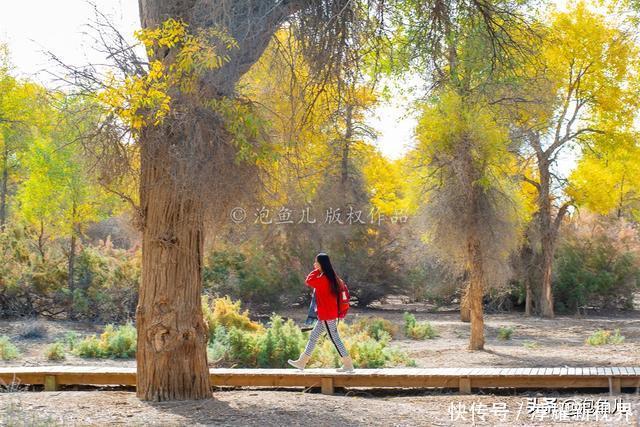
[463, 379]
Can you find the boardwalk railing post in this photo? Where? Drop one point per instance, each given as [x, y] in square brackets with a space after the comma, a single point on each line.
[50, 383]
[465, 385]
[326, 385]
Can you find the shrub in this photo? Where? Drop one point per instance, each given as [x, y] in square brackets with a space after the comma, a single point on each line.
[376, 327]
[107, 283]
[119, 342]
[8, 350]
[225, 312]
[418, 330]
[106, 280]
[55, 351]
[597, 265]
[242, 347]
[114, 342]
[271, 347]
[33, 330]
[602, 337]
[530, 345]
[71, 339]
[367, 352]
[504, 333]
[282, 341]
[89, 348]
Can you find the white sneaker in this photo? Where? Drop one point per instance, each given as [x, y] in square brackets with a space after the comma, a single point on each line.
[347, 365]
[300, 363]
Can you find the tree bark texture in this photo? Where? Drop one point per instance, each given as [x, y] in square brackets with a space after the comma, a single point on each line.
[172, 336]
[476, 295]
[171, 354]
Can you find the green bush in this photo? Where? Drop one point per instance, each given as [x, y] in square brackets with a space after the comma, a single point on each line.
[418, 330]
[114, 342]
[602, 337]
[376, 327]
[283, 341]
[595, 272]
[225, 312]
[235, 342]
[8, 350]
[504, 333]
[242, 348]
[55, 351]
[71, 339]
[89, 347]
[105, 279]
[106, 283]
[368, 353]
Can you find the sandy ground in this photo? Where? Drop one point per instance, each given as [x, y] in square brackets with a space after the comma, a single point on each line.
[288, 408]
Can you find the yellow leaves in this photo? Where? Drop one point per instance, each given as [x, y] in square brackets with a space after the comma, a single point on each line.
[448, 121]
[609, 180]
[168, 35]
[145, 100]
[386, 184]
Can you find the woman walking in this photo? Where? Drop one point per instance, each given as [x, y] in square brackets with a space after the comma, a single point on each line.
[327, 286]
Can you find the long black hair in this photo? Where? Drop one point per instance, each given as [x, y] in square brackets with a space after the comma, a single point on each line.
[327, 269]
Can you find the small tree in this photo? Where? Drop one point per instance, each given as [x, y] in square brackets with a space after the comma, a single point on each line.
[471, 211]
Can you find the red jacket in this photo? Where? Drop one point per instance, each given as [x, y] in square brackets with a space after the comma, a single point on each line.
[326, 300]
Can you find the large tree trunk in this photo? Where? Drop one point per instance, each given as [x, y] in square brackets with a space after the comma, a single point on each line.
[476, 294]
[172, 336]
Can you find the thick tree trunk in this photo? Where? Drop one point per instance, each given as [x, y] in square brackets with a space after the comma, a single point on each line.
[172, 336]
[171, 355]
[476, 295]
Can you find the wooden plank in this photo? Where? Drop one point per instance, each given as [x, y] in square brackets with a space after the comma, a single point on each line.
[460, 378]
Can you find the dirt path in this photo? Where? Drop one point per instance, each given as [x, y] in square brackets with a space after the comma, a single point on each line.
[287, 408]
